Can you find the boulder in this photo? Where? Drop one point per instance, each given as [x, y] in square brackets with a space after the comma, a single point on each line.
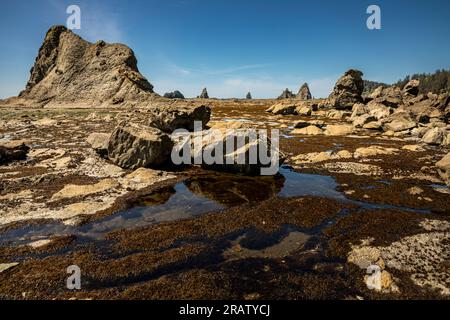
[379, 111]
[304, 93]
[174, 95]
[412, 88]
[303, 111]
[99, 142]
[311, 130]
[373, 125]
[359, 109]
[392, 102]
[399, 121]
[360, 121]
[12, 151]
[286, 94]
[132, 146]
[435, 136]
[338, 130]
[282, 109]
[443, 167]
[237, 160]
[376, 93]
[347, 91]
[336, 114]
[171, 117]
[204, 94]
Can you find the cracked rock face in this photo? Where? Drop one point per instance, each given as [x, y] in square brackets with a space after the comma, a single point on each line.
[69, 69]
[132, 146]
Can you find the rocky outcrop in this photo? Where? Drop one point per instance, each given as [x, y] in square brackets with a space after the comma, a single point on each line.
[204, 94]
[286, 94]
[347, 91]
[248, 96]
[304, 93]
[412, 88]
[170, 118]
[70, 70]
[444, 168]
[12, 151]
[134, 145]
[174, 95]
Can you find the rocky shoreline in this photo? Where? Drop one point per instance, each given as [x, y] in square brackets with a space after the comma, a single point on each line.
[364, 182]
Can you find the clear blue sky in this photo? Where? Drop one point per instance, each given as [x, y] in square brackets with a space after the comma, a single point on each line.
[232, 46]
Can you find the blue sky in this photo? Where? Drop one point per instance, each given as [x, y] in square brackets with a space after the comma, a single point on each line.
[232, 47]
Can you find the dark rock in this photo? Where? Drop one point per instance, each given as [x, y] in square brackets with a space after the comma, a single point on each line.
[286, 94]
[248, 96]
[174, 95]
[170, 118]
[204, 94]
[12, 151]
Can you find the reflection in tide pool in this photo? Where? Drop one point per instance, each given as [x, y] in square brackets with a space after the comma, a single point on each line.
[207, 192]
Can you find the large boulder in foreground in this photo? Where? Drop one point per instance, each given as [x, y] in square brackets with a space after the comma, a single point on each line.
[132, 146]
[347, 91]
[70, 70]
[170, 118]
[444, 168]
[12, 151]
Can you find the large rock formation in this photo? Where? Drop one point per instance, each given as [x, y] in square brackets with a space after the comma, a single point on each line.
[174, 95]
[304, 93]
[248, 96]
[347, 91]
[70, 70]
[286, 94]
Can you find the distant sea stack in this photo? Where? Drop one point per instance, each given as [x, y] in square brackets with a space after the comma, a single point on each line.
[287, 94]
[70, 70]
[204, 94]
[248, 96]
[304, 93]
